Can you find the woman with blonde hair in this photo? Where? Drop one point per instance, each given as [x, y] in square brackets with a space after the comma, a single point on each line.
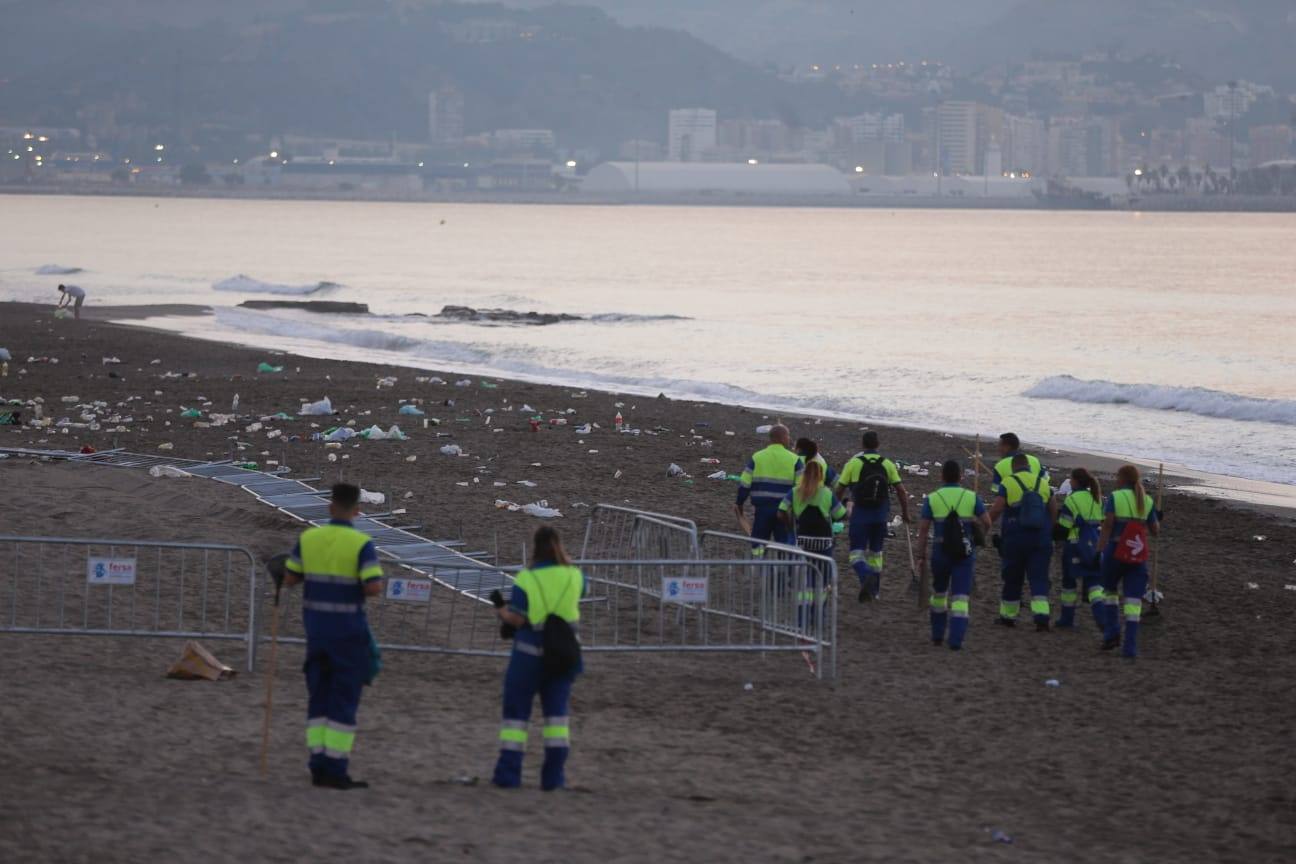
[1129, 523]
[810, 510]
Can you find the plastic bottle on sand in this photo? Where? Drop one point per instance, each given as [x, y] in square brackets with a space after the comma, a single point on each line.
[619, 421]
[234, 404]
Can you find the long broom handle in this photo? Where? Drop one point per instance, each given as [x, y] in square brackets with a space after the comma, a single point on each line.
[1155, 559]
[269, 695]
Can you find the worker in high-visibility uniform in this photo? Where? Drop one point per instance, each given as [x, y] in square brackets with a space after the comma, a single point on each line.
[768, 478]
[551, 586]
[1130, 520]
[951, 575]
[1029, 512]
[870, 476]
[810, 510]
[1009, 449]
[1079, 523]
[809, 452]
[339, 568]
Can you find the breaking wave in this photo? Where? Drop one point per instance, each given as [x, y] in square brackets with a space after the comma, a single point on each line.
[1192, 400]
[626, 317]
[56, 270]
[247, 285]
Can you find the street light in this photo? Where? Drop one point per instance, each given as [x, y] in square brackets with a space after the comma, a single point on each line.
[571, 163]
[753, 162]
[274, 154]
[159, 147]
[859, 169]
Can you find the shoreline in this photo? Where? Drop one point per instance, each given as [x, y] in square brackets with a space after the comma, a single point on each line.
[1267, 497]
[1260, 204]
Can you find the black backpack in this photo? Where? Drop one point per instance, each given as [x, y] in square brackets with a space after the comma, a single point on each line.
[562, 650]
[813, 523]
[955, 545]
[872, 489]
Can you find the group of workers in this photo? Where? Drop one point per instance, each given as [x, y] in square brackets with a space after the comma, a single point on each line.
[337, 566]
[797, 498]
[1106, 541]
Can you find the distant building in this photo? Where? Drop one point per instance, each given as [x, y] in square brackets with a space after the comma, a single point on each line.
[956, 138]
[715, 178]
[1270, 144]
[691, 135]
[517, 140]
[1228, 102]
[1025, 145]
[639, 150]
[446, 115]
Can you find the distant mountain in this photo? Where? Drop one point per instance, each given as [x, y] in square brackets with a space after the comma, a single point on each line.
[1220, 40]
[364, 68]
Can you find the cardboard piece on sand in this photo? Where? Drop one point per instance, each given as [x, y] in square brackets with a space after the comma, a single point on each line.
[197, 663]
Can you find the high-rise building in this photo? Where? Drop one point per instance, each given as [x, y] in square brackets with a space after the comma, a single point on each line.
[1025, 145]
[692, 134]
[956, 138]
[1270, 144]
[446, 115]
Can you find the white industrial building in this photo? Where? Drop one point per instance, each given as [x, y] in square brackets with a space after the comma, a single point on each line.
[703, 178]
[691, 134]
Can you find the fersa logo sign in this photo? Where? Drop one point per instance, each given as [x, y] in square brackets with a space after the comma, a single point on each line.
[681, 589]
[110, 571]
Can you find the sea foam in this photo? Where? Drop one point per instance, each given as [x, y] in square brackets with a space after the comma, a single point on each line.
[247, 285]
[56, 270]
[1192, 400]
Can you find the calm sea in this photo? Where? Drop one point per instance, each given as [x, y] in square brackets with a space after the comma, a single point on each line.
[1155, 336]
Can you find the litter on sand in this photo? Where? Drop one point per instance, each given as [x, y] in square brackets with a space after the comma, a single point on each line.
[167, 471]
[375, 433]
[196, 663]
[1052, 682]
[451, 450]
[719, 475]
[266, 367]
[411, 411]
[313, 409]
[675, 471]
[367, 497]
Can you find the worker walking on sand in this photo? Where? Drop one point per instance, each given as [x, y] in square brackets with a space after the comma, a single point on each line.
[809, 511]
[768, 478]
[1079, 524]
[1029, 512]
[1009, 449]
[73, 296]
[1130, 521]
[808, 450]
[540, 616]
[870, 477]
[339, 567]
[952, 515]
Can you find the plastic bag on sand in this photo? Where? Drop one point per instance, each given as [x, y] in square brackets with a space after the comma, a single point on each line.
[5, 356]
[320, 408]
[167, 471]
[375, 433]
[342, 433]
[675, 471]
[451, 450]
[719, 475]
[763, 430]
[367, 497]
[411, 410]
[541, 510]
[199, 664]
[266, 367]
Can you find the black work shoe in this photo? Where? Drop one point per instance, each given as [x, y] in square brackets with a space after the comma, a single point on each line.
[865, 596]
[1006, 622]
[343, 783]
[1109, 644]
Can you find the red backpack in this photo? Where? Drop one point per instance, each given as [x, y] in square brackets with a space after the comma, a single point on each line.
[1132, 545]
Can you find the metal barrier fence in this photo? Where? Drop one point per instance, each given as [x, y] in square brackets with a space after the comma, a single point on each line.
[64, 585]
[613, 532]
[645, 605]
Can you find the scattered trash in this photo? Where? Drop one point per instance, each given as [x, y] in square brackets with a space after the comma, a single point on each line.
[266, 367]
[465, 382]
[451, 450]
[196, 663]
[409, 495]
[618, 421]
[71, 400]
[387, 383]
[675, 471]
[341, 433]
[719, 475]
[167, 471]
[1252, 585]
[558, 421]
[155, 362]
[617, 475]
[526, 409]
[411, 411]
[1259, 537]
[367, 497]
[308, 409]
[706, 460]
[332, 457]
[489, 386]
[749, 686]
[411, 458]
[763, 430]
[375, 433]
[527, 483]
[584, 430]
[1052, 682]
[111, 361]
[1000, 837]
[1289, 587]
[167, 445]
[542, 510]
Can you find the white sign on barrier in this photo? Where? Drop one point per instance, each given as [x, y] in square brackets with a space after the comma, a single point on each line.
[684, 589]
[409, 590]
[110, 571]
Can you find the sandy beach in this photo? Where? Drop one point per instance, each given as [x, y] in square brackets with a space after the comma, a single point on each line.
[914, 754]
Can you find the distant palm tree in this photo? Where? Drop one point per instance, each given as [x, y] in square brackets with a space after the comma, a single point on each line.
[1185, 177]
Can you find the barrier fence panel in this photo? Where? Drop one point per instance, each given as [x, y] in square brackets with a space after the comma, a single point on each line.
[645, 605]
[64, 585]
[614, 532]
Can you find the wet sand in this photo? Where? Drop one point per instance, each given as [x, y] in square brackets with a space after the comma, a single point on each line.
[916, 754]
